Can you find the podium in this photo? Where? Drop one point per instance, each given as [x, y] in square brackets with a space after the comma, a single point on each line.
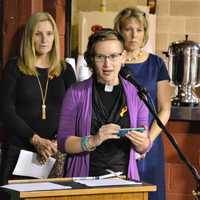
[80, 192]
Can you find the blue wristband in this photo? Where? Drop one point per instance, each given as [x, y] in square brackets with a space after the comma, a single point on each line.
[85, 144]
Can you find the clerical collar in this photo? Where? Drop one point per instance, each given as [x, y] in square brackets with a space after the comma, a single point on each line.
[105, 87]
[108, 88]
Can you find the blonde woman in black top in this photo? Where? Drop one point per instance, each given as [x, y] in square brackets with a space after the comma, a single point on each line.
[32, 90]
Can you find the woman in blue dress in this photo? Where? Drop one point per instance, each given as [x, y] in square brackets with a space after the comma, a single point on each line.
[151, 72]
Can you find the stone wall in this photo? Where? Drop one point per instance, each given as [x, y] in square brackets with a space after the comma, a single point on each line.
[175, 18]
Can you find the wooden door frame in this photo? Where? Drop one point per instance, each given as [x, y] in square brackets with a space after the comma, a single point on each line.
[1, 36]
[68, 24]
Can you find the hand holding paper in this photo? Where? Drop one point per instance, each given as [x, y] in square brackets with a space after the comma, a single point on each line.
[28, 165]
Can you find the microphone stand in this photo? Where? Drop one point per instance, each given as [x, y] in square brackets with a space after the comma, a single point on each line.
[142, 93]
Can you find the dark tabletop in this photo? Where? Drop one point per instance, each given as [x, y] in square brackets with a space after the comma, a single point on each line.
[189, 113]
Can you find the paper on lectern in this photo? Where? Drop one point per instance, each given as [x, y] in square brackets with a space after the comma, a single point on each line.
[27, 187]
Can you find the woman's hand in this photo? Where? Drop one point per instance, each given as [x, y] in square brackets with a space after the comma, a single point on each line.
[44, 147]
[106, 132]
[140, 140]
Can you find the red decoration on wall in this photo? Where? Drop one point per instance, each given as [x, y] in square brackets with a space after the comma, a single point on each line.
[152, 6]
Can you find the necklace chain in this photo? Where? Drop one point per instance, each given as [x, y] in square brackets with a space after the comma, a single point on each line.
[43, 96]
[133, 57]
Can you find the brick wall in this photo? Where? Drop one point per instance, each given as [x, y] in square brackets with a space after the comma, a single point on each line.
[175, 18]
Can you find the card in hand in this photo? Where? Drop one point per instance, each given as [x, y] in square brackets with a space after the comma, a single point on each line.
[122, 132]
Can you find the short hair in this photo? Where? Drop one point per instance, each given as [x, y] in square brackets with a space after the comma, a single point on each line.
[26, 61]
[135, 13]
[103, 34]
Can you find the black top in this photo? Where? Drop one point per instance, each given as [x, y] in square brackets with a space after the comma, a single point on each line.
[114, 153]
[21, 103]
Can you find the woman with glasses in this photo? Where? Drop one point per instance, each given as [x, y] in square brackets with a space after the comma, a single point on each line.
[151, 72]
[94, 111]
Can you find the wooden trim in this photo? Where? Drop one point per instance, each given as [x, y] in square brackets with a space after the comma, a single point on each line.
[18, 181]
[88, 191]
[68, 12]
[1, 36]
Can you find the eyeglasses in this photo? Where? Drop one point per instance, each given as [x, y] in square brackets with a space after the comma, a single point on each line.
[102, 58]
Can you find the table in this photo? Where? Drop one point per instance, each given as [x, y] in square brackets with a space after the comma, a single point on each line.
[80, 192]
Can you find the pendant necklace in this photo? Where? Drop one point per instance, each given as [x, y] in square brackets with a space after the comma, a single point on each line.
[134, 58]
[43, 96]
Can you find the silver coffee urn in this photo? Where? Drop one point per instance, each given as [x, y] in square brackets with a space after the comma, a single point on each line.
[184, 71]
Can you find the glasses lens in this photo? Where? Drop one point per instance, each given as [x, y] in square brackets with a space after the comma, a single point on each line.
[111, 57]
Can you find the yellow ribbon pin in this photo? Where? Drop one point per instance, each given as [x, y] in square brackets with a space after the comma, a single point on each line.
[123, 111]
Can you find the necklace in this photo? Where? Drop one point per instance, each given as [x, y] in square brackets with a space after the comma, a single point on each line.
[43, 96]
[136, 57]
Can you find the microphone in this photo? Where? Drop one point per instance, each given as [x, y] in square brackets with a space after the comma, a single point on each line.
[143, 93]
[126, 74]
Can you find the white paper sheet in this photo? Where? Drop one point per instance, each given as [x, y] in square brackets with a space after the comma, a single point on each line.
[107, 182]
[28, 165]
[26, 187]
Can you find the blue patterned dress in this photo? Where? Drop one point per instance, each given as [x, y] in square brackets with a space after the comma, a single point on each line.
[151, 168]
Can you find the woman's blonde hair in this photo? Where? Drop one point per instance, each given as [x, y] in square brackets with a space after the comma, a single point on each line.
[127, 14]
[27, 57]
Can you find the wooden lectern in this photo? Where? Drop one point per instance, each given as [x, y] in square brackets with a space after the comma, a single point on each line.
[130, 192]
